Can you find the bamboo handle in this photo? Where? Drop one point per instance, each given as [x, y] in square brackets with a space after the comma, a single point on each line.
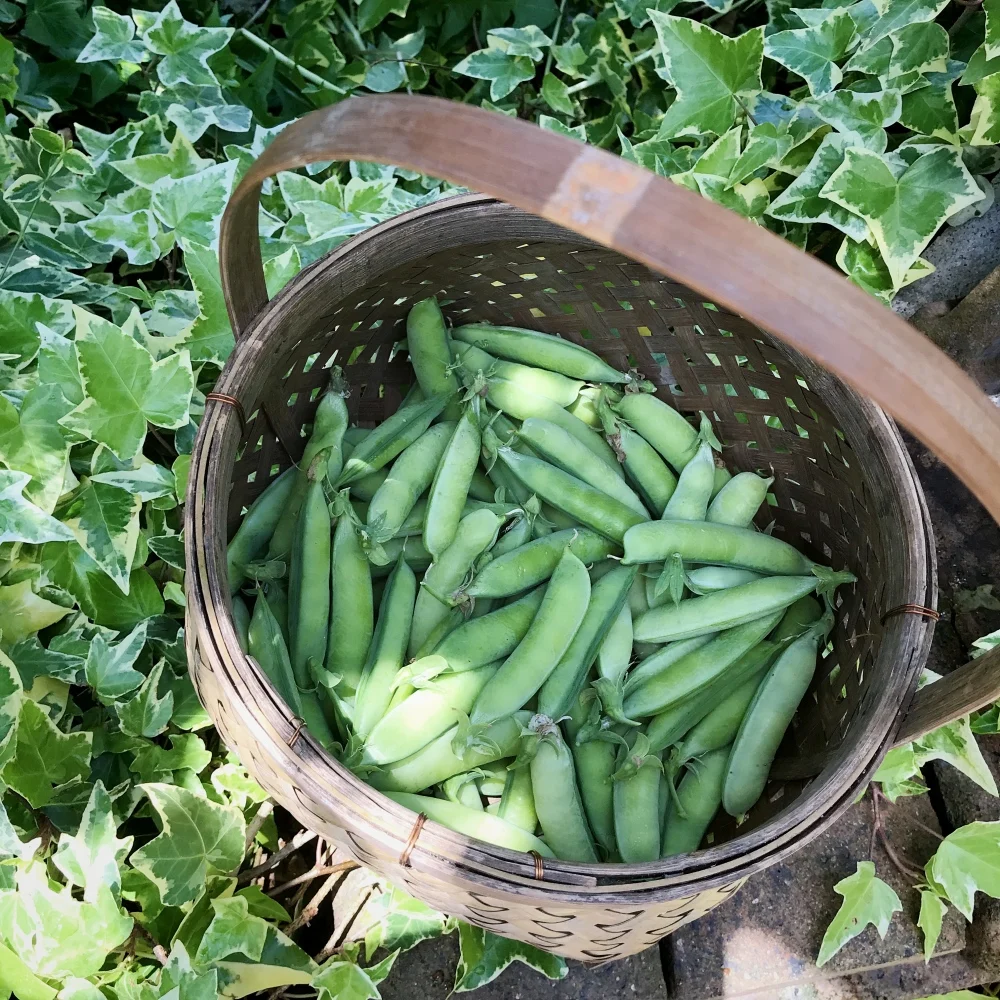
[672, 230]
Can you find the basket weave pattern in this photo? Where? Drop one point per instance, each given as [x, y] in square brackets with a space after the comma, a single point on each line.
[844, 493]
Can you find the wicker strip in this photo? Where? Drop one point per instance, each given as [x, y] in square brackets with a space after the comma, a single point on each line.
[411, 841]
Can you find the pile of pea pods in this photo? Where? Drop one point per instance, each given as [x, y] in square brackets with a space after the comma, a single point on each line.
[532, 604]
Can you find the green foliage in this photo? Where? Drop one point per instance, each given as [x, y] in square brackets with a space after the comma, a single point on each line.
[867, 900]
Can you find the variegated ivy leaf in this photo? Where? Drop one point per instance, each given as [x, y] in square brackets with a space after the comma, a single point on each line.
[896, 14]
[210, 337]
[20, 519]
[861, 118]
[504, 71]
[714, 75]
[904, 206]
[185, 47]
[801, 201]
[137, 235]
[965, 862]
[874, 60]
[814, 52]
[192, 206]
[20, 316]
[554, 125]
[992, 41]
[766, 146]
[11, 696]
[528, 41]
[919, 48]
[146, 713]
[113, 41]
[180, 161]
[863, 264]
[932, 913]
[984, 121]
[931, 110]
[109, 670]
[867, 900]
[713, 177]
[148, 481]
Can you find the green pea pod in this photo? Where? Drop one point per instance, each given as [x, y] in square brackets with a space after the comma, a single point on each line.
[277, 599]
[517, 801]
[664, 658]
[666, 728]
[518, 534]
[738, 501]
[719, 728]
[314, 712]
[542, 647]
[258, 525]
[637, 597]
[309, 585]
[463, 790]
[557, 387]
[694, 488]
[411, 548]
[541, 350]
[365, 488]
[472, 823]
[424, 715]
[768, 717]
[241, 621]
[557, 800]
[709, 579]
[388, 649]
[481, 488]
[430, 353]
[590, 507]
[555, 445]
[615, 652]
[698, 798]
[532, 564]
[799, 616]
[661, 425]
[410, 476]
[608, 597]
[722, 610]
[722, 476]
[391, 437]
[643, 465]
[450, 488]
[476, 533]
[494, 636]
[698, 669]
[352, 607]
[438, 761]
[440, 632]
[636, 797]
[266, 645]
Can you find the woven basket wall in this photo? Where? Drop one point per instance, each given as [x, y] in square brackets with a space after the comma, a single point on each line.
[845, 493]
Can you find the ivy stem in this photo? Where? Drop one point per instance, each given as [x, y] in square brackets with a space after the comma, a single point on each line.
[555, 36]
[352, 28]
[280, 57]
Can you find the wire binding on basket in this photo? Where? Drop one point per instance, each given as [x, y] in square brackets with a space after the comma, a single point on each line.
[221, 397]
[296, 733]
[912, 609]
[411, 841]
[539, 866]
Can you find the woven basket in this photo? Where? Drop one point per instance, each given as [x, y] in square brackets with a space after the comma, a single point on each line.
[645, 273]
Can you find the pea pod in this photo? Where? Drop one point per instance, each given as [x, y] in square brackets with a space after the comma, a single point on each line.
[698, 798]
[532, 564]
[241, 621]
[309, 586]
[493, 780]
[616, 651]
[266, 645]
[739, 499]
[492, 637]
[366, 487]
[424, 715]
[722, 476]
[463, 790]
[277, 599]
[724, 609]
[768, 717]
[352, 608]
[661, 425]
[412, 550]
[518, 534]
[709, 579]
[608, 597]
[541, 350]
[472, 823]
[547, 639]
[589, 506]
[258, 525]
[557, 800]
[430, 353]
[450, 488]
[476, 532]
[694, 488]
[388, 648]
[799, 616]
[662, 659]
[585, 406]
[563, 450]
[719, 728]
[557, 387]
[643, 465]
[410, 476]
[595, 763]
[438, 761]
[698, 669]
[517, 803]
[715, 544]
[636, 797]
[391, 437]
[481, 488]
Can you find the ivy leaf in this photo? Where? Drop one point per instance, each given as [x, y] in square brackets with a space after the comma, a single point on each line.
[867, 900]
[20, 314]
[483, 956]
[59, 365]
[985, 117]
[145, 713]
[210, 337]
[11, 697]
[903, 208]
[148, 481]
[399, 922]
[232, 931]
[992, 42]
[503, 71]
[92, 857]
[192, 206]
[372, 13]
[197, 837]
[185, 47]
[179, 981]
[23, 612]
[919, 48]
[930, 919]
[187, 753]
[339, 980]
[34, 660]
[931, 110]
[813, 52]
[967, 860]
[766, 147]
[109, 669]
[44, 757]
[714, 75]
[180, 161]
[21, 520]
[860, 117]
[896, 14]
[105, 522]
[113, 41]
[137, 235]
[11, 845]
[555, 93]
[528, 41]
[125, 388]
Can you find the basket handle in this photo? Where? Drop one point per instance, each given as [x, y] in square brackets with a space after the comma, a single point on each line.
[670, 229]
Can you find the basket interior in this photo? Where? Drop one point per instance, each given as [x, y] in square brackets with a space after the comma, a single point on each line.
[835, 495]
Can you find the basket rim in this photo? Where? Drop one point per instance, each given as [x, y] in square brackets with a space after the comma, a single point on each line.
[213, 636]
